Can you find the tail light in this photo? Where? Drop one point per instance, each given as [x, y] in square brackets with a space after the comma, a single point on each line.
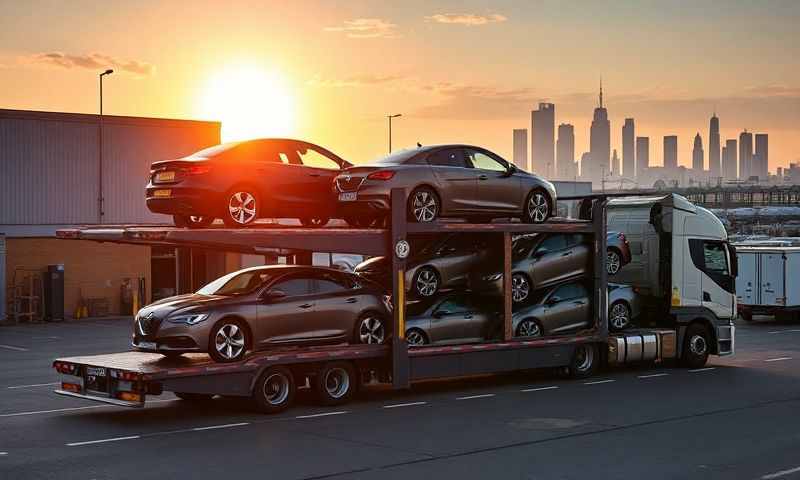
[381, 175]
[66, 368]
[125, 375]
[196, 169]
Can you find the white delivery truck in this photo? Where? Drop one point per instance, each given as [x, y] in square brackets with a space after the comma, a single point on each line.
[768, 281]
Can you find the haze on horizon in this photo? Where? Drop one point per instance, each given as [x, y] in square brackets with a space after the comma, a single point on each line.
[464, 71]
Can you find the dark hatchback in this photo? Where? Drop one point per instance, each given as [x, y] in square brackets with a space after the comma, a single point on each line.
[240, 182]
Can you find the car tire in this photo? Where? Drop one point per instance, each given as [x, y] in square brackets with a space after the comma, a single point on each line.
[415, 337]
[361, 222]
[336, 383]
[426, 282]
[538, 207]
[371, 328]
[529, 328]
[619, 316]
[192, 221]
[423, 205]
[520, 287]
[314, 222]
[585, 361]
[274, 390]
[242, 207]
[696, 346]
[194, 397]
[613, 261]
[228, 340]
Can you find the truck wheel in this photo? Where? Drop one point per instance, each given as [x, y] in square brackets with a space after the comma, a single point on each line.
[336, 383]
[584, 361]
[696, 344]
[193, 397]
[274, 390]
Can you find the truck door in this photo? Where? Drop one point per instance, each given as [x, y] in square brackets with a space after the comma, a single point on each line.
[717, 288]
[771, 287]
[747, 285]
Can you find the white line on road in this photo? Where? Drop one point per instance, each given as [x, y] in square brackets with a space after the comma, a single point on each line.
[33, 385]
[3, 453]
[321, 414]
[538, 389]
[471, 397]
[410, 404]
[214, 427]
[779, 359]
[16, 349]
[654, 375]
[794, 330]
[697, 370]
[36, 412]
[598, 382]
[105, 440]
[782, 473]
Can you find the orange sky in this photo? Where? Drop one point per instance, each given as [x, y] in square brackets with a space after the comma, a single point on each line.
[458, 71]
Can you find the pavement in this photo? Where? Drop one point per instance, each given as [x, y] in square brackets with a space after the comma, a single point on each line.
[736, 418]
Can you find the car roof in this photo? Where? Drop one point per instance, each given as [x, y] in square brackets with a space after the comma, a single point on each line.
[292, 269]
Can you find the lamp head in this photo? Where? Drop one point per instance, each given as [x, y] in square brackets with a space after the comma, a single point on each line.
[107, 72]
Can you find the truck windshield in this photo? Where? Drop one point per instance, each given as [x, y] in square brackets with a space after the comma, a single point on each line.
[237, 283]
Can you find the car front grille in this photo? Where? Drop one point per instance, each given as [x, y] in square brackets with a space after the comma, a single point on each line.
[348, 183]
[147, 325]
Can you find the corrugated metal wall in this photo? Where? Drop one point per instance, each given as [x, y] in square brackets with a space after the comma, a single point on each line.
[49, 165]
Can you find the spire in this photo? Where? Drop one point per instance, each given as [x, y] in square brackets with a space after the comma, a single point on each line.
[601, 91]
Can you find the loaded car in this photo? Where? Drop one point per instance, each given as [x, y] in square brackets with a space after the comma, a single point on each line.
[263, 307]
[454, 318]
[240, 182]
[444, 181]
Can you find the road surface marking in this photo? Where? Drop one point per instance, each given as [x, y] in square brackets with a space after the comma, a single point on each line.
[214, 427]
[17, 414]
[654, 375]
[597, 382]
[321, 414]
[782, 473]
[779, 359]
[706, 369]
[3, 453]
[105, 440]
[33, 385]
[410, 404]
[16, 349]
[794, 330]
[538, 389]
[471, 397]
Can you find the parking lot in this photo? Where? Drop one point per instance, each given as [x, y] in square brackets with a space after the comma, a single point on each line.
[734, 419]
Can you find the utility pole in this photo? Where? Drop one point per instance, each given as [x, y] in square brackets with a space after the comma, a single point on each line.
[100, 199]
[390, 117]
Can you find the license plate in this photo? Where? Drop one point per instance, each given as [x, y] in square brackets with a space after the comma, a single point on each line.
[148, 345]
[165, 176]
[96, 379]
[162, 193]
[348, 196]
[96, 371]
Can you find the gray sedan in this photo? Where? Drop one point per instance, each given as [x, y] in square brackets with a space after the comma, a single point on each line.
[455, 318]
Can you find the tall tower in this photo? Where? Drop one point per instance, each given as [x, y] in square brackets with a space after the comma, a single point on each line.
[729, 160]
[600, 141]
[713, 147]
[762, 154]
[745, 155]
[697, 154]
[628, 149]
[521, 148]
[615, 167]
[670, 152]
[543, 122]
[565, 152]
[642, 156]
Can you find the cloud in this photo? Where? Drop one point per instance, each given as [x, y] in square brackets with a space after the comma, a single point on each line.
[466, 101]
[466, 19]
[91, 61]
[356, 81]
[366, 28]
[773, 91]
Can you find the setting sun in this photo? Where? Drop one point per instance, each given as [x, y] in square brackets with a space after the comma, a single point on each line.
[251, 102]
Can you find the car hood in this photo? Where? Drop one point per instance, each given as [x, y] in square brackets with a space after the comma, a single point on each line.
[373, 265]
[187, 303]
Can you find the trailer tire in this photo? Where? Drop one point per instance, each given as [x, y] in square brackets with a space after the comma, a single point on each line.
[274, 390]
[194, 397]
[336, 383]
[584, 361]
[696, 346]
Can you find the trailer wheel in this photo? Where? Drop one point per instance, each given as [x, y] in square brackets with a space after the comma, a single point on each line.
[274, 390]
[696, 344]
[584, 361]
[336, 383]
[193, 397]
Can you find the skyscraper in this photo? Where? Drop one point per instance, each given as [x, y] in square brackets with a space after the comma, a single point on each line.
[729, 160]
[615, 167]
[713, 147]
[762, 154]
[670, 152]
[521, 148]
[543, 122]
[628, 149]
[600, 141]
[565, 152]
[745, 155]
[642, 156]
[586, 160]
[697, 154]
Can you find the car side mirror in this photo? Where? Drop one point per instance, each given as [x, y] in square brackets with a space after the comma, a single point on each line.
[440, 313]
[539, 253]
[275, 294]
[511, 169]
[552, 301]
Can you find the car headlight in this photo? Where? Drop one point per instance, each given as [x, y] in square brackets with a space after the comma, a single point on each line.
[494, 277]
[190, 319]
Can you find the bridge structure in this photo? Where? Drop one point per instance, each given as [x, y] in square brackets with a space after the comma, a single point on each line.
[727, 197]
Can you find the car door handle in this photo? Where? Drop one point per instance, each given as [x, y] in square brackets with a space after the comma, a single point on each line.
[579, 302]
[306, 305]
[706, 297]
[313, 174]
[351, 300]
[566, 254]
[483, 177]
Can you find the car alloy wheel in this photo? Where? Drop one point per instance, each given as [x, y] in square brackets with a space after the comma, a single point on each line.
[529, 328]
[424, 205]
[415, 337]
[371, 330]
[538, 208]
[229, 342]
[613, 262]
[520, 287]
[620, 316]
[427, 282]
[242, 207]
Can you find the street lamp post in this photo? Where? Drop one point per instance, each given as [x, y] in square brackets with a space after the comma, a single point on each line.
[100, 212]
[390, 117]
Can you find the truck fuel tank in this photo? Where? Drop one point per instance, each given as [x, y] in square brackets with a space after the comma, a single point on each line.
[641, 346]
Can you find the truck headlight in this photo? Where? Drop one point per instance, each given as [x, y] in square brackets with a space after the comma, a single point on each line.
[190, 319]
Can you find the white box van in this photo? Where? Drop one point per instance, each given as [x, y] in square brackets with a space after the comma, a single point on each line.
[768, 281]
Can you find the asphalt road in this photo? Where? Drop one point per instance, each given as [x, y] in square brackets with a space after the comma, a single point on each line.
[737, 418]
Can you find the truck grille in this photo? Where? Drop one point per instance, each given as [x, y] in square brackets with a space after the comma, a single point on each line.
[348, 183]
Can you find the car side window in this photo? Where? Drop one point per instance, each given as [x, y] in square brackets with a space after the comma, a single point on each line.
[314, 159]
[552, 243]
[294, 286]
[576, 239]
[453, 305]
[566, 292]
[483, 161]
[451, 157]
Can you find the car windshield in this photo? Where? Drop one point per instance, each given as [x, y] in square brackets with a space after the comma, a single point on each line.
[522, 247]
[215, 150]
[237, 283]
[398, 157]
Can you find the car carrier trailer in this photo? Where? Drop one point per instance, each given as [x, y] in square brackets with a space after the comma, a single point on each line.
[271, 377]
